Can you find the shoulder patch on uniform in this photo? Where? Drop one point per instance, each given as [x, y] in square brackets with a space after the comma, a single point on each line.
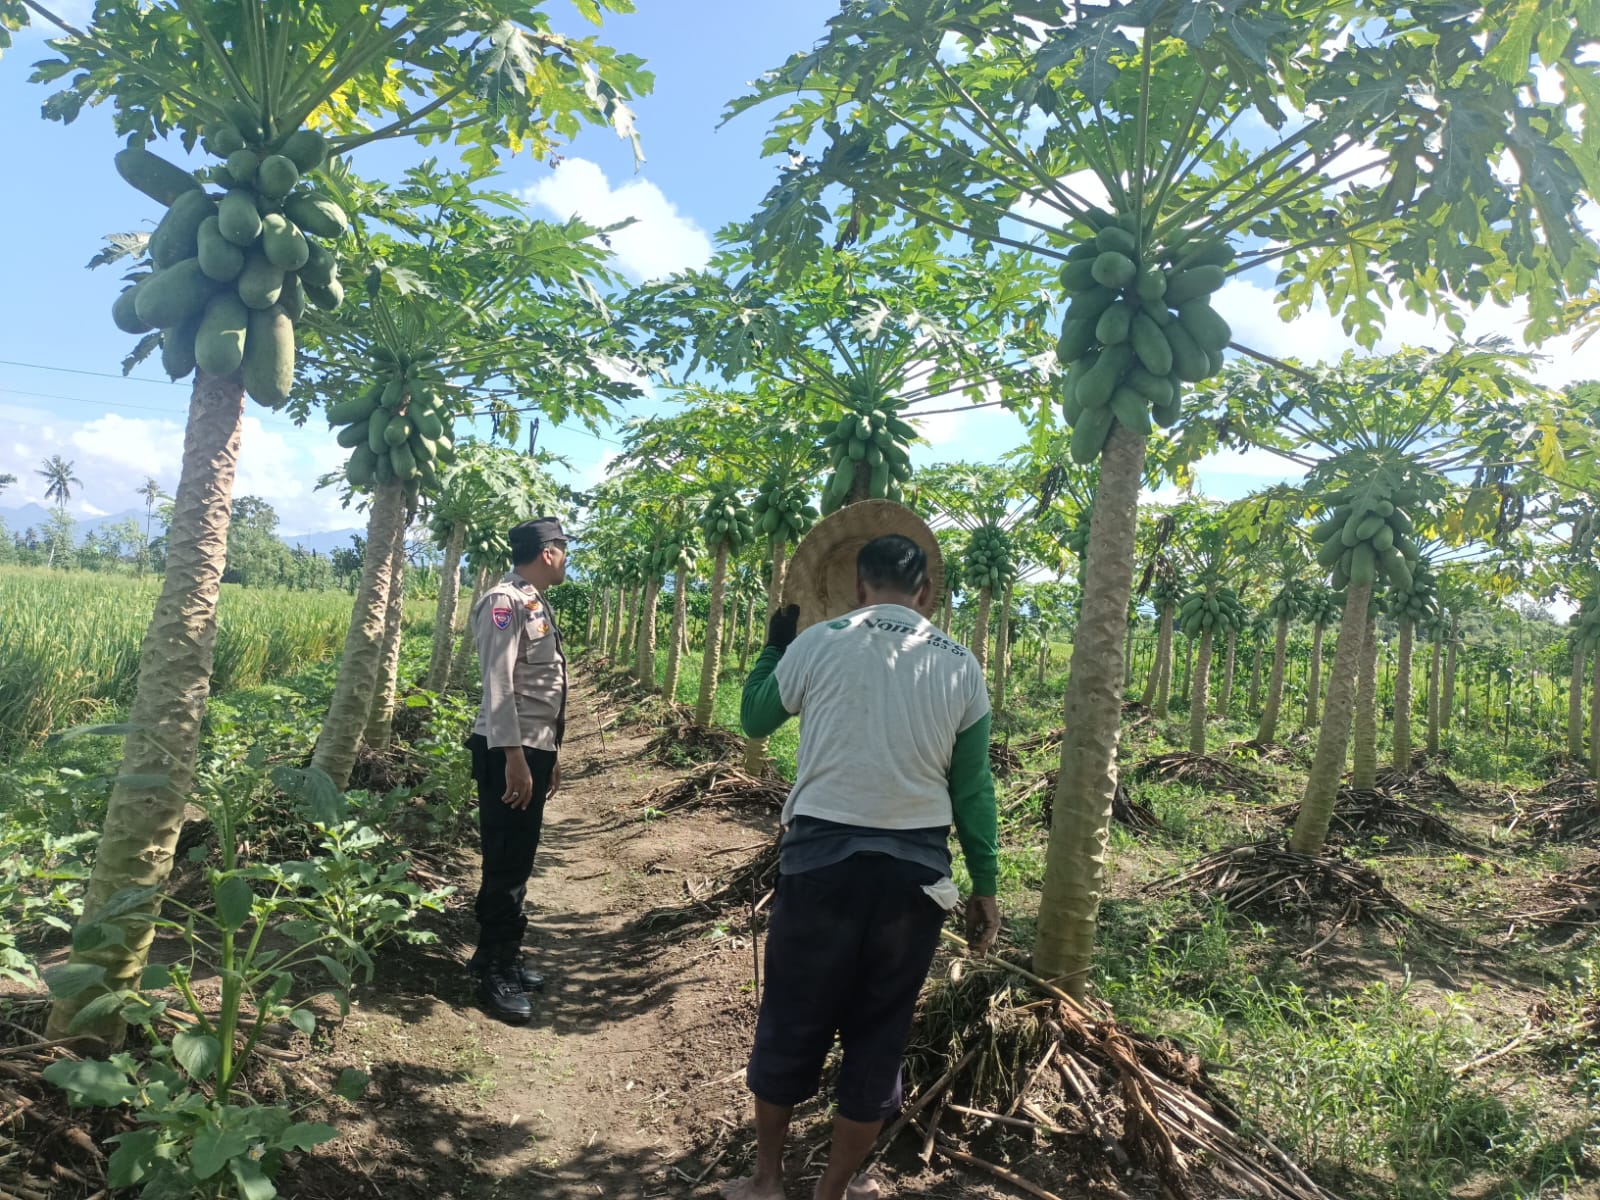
[842, 623]
[501, 617]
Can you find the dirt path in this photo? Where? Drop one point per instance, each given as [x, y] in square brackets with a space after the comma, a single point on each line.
[635, 1051]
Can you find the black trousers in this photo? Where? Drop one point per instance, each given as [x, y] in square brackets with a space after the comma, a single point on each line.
[510, 838]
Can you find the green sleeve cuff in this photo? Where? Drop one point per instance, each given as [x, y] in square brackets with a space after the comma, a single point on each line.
[972, 803]
[761, 709]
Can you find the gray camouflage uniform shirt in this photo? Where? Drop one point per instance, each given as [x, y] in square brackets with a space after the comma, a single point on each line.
[524, 670]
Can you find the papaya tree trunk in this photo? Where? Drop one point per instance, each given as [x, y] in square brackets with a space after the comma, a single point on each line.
[749, 635]
[1152, 683]
[1575, 702]
[1333, 736]
[1314, 676]
[680, 616]
[711, 663]
[1268, 729]
[644, 668]
[1253, 701]
[1447, 707]
[980, 629]
[755, 749]
[342, 728]
[1200, 694]
[144, 815]
[1163, 697]
[1002, 651]
[1086, 784]
[1435, 670]
[949, 605]
[1044, 658]
[1188, 662]
[1594, 721]
[728, 628]
[1364, 764]
[599, 642]
[1127, 658]
[380, 718]
[444, 621]
[465, 648]
[1402, 699]
[1230, 662]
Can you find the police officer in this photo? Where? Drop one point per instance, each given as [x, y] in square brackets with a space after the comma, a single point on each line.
[514, 743]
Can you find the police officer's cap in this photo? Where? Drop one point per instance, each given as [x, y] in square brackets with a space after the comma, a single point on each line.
[530, 537]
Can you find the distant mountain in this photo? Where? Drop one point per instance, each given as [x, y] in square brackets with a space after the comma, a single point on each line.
[36, 516]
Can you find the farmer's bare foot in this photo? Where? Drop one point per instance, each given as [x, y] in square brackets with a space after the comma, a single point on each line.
[754, 1189]
[862, 1187]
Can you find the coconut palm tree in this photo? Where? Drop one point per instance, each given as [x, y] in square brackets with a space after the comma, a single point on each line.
[59, 481]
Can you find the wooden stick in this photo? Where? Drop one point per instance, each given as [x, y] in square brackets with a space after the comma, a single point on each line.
[932, 1131]
[1016, 1122]
[1033, 1078]
[1016, 1181]
[922, 1101]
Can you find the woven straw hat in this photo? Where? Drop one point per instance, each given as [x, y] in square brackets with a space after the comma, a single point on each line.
[822, 574]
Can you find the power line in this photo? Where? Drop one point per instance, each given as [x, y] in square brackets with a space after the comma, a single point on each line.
[7, 362]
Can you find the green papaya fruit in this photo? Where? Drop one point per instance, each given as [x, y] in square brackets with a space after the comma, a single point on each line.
[222, 141]
[1192, 284]
[1095, 388]
[276, 176]
[242, 167]
[1076, 338]
[1328, 553]
[269, 357]
[357, 408]
[306, 149]
[360, 469]
[1369, 526]
[1152, 286]
[327, 297]
[878, 484]
[1087, 306]
[285, 246]
[1166, 415]
[125, 313]
[1156, 389]
[1363, 565]
[1081, 251]
[219, 258]
[1189, 362]
[261, 282]
[175, 238]
[219, 341]
[1131, 410]
[1207, 326]
[153, 175]
[1117, 239]
[1079, 276]
[1114, 324]
[1211, 253]
[353, 435]
[398, 430]
[293, 297]
[1089, 434]
[171, 297]
[429, 425]
[317, 214]
[1113, 269]
[246, 119]
[377, 425]
[177, 348]
[1150, 345]
[320, 264]
[237, 218]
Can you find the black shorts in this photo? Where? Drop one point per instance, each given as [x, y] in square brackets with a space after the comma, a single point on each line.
[847, 953]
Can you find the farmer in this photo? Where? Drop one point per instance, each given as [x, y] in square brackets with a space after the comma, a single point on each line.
[514, 742]
[894, 745]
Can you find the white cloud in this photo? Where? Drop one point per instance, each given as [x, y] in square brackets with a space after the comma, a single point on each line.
[661, 241]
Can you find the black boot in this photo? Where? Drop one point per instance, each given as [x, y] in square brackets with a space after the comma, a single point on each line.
[530, 979]
[500, 991]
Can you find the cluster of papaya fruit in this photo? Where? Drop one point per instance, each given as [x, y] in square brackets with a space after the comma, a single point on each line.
[1216, 612]
[675, 548]
[870, 440]
[783, 511]
[230, 277]
[1586, 623]
[1419, 602]
[1165, 593]
[1368, 537]
[394, 429]
[726, 520]
[1077, 539]
[1289, 601]
[1137, 328]
[988, 562]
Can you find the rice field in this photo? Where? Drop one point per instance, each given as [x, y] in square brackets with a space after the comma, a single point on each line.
[69, 643]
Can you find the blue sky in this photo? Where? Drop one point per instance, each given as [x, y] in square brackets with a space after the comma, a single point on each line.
[64, 196]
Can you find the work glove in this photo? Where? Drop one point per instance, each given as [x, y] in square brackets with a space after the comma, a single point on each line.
[781, 628]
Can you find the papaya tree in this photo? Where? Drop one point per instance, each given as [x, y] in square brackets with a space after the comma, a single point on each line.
[1324, 607]
[1289, 602]
[1008, 127]
[273, 92]
[468, 303]
[727, 528]
[1411, 609]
